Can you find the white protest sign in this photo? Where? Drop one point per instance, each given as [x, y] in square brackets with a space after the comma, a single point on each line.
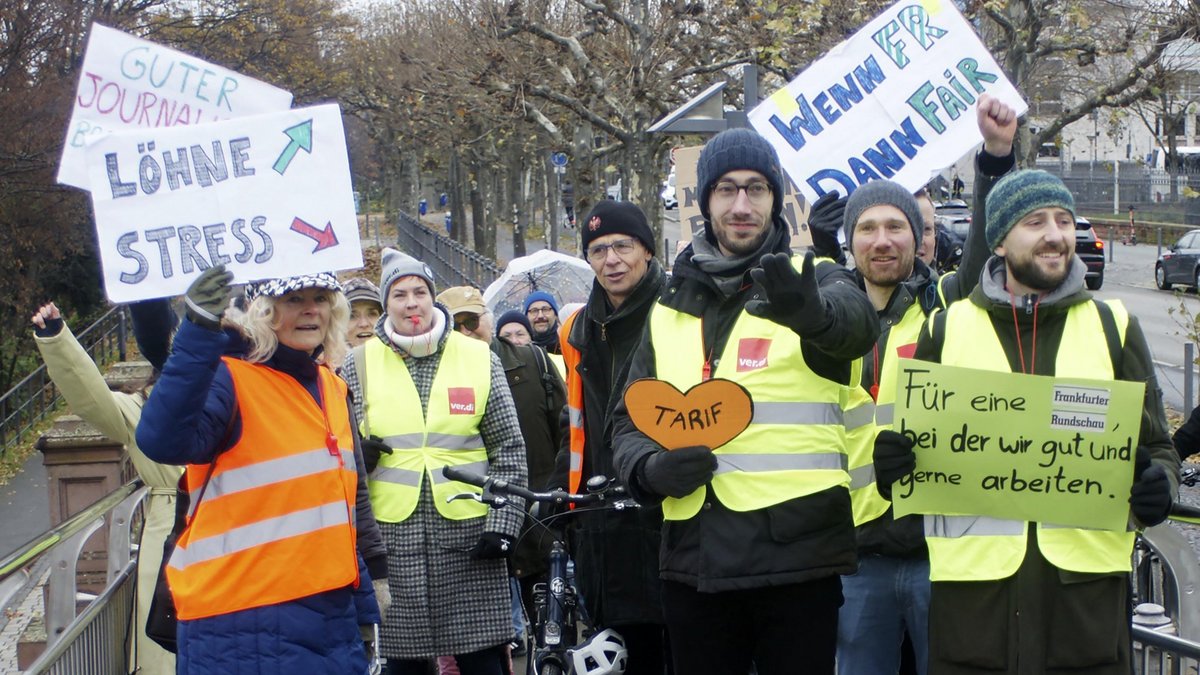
[268, 196]
[895, 101]
[127, 82]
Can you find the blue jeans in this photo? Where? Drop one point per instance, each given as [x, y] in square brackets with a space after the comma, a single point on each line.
[885, 597]
[518, 614]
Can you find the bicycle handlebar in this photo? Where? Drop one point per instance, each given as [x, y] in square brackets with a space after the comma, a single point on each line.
[496, 485]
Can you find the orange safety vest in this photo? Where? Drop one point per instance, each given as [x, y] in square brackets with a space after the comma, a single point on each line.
[571, 357]
[277, 519]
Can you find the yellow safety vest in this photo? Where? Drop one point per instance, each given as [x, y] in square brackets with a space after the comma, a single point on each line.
[980, 548]
[796, 442]
[447, 434]
[865, 499]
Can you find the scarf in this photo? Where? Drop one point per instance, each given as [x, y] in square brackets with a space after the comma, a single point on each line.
[727, 272]
[418, 346]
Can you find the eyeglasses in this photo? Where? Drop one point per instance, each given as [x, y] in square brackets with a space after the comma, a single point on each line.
[756, 192]
[537, 311]
[467, 320]
[623, 248]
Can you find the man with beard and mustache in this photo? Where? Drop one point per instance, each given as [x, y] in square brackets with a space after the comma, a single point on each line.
[884, 226]
[757, 531]
[542, 312]
[1017, 597]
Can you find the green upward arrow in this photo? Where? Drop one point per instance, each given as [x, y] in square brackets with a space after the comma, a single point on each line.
[301, 139]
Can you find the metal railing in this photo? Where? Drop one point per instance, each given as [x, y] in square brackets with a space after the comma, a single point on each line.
[35, 397]
[95, 640]
[1166, 573]
[452, 263]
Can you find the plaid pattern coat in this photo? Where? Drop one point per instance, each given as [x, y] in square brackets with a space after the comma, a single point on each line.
[444, 601]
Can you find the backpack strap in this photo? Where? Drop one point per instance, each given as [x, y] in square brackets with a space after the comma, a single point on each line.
[1111, 335]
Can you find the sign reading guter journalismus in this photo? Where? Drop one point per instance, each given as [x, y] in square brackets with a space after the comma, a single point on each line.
[267, 196]
[1015, 446]
[894, 101]
[127, 82]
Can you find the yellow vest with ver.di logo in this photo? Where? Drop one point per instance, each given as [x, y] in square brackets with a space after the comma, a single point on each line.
[796, 442]
[447, 434]
[979, 548]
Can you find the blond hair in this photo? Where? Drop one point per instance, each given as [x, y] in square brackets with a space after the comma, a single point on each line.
[258, 325]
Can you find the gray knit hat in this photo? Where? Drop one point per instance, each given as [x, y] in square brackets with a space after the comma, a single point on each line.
[880, 192]
[734, 150]
[396, 265]
[1016, 195]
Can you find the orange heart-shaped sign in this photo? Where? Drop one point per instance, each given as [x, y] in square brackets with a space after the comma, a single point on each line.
[711, 413]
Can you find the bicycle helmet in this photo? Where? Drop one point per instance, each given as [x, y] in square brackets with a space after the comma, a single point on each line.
[602, 654]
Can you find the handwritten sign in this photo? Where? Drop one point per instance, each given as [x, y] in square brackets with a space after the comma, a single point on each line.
[795, 208]
[268, 196]
[894, 101]
[127, 82]
[711, 413]
[1021, 447]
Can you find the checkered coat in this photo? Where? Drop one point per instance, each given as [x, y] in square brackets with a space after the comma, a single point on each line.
[443, 601]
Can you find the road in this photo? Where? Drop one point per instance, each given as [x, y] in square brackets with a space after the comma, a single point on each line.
[1130, 277]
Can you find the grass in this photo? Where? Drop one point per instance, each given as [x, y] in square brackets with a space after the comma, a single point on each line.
[15, 457]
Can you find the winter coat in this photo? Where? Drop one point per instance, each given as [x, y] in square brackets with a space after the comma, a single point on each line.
[615, 552]
[906, 537]
[186, 421]
[1187, 436]
[799, 540]
[115, 414]
[1042, 619]
[443, 600]
[539, 396]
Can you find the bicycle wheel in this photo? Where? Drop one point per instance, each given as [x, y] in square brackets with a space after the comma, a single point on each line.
[550, 669]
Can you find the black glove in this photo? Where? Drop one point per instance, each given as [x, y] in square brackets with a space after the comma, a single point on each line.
[208, 296]
[372, 448]
[1150, 496]
[492, 545]
[793, 298]
[677, 473]
[894, 459]
[824, 224]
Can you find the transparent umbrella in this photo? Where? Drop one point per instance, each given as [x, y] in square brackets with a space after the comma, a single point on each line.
[567, 278]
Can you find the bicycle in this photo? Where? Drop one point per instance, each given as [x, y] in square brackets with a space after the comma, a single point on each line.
[552, 645]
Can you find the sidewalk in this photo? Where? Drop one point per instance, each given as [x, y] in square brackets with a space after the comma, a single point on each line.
[24, 505]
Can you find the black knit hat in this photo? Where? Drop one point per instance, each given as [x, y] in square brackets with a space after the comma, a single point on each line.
[612, 217]
[734, 150]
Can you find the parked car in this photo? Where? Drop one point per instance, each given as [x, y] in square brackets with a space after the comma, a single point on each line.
[1180, 263]
[1090, 250]
[952, 208]
[668, 191]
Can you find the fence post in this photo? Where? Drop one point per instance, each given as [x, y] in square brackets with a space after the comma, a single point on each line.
[1158, 231]
[1188, 370]
[122, 333]
[1111, 248]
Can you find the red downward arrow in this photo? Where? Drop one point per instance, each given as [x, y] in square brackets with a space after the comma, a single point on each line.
[324, 238]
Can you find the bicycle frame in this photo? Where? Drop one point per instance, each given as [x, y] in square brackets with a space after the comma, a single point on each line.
[555, 603]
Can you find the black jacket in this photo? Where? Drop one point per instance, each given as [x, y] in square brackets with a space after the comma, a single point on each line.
[906, 537]
[538, 394]
[616, 552]
[799, 540]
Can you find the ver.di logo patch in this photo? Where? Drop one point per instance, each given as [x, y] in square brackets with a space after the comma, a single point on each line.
[462, 400]
[752, 354]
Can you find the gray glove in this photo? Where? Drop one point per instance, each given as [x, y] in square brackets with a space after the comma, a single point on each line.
[383, 595]
[208, 296]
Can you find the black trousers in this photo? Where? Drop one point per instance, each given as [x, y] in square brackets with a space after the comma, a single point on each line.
[646, 644]
[781, 630]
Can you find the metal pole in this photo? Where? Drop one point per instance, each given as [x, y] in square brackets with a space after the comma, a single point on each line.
[1116, 184]
[1158, 231]
[1110, 244]
[1189, 368]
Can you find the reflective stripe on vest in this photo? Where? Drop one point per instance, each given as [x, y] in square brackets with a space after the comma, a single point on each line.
[271, 497]
[974, 548]
[574, 384]
[447, 434]
[785, 453]
[865, 499]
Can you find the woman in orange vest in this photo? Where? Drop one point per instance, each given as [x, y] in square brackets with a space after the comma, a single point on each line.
[266, 577]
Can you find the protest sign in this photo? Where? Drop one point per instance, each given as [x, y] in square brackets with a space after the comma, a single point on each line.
[127, 82]
[1015, 446]
[687, 193]
[268, 196]
[711, 413]
[894, 101]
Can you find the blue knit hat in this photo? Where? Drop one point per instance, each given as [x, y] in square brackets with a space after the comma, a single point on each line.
[878, 193]
[735, 150]
[513, 316]
[543, 296]
[1016, 195]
